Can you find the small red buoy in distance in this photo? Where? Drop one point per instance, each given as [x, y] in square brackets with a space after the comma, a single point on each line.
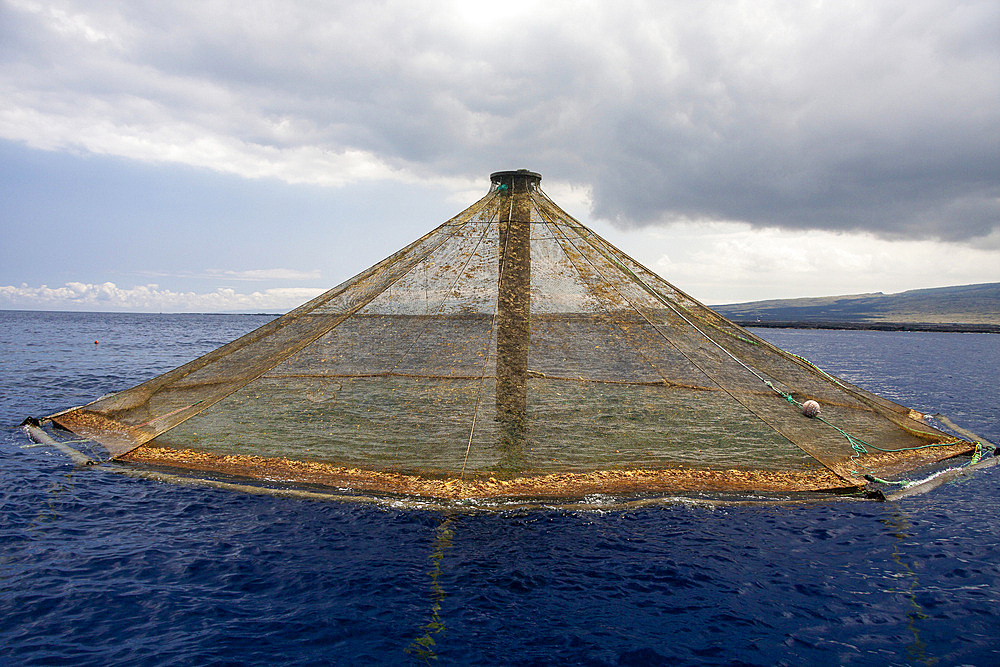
[96, 343]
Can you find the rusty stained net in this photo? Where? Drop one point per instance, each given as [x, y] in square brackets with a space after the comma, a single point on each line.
[510, 352]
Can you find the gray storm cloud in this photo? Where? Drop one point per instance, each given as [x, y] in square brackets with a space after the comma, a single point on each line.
[874, 116]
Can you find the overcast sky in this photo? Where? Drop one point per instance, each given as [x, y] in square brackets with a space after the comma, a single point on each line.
[245, 155]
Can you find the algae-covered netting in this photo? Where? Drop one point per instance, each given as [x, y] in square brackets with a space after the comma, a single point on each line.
[511, 350]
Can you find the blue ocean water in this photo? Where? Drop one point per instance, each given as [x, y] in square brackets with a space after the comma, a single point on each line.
[97, 568]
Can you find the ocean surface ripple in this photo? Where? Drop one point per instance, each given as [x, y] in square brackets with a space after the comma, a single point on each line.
[98, 568]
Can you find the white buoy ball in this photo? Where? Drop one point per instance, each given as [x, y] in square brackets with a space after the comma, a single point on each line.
[810, 408]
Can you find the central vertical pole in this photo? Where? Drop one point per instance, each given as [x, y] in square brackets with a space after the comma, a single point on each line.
[514, 313]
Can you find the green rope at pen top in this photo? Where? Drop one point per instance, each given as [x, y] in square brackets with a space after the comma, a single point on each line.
[859, 446]
[976, 458]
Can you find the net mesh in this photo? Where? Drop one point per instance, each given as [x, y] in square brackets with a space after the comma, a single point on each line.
[511, 351]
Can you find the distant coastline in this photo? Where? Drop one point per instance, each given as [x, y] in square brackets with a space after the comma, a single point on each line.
[874, 326]
[962, 308]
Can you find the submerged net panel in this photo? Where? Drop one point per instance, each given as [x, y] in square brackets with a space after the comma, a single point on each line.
[511, 344]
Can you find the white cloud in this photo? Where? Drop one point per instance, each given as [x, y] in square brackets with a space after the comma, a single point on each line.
[714, 262]
[802, 115]
[93, 127]
[732, 262]
[150, 298]
[248, 275]
[265, 274]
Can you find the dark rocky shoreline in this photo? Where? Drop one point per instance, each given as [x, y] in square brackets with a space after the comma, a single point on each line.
[873, 326]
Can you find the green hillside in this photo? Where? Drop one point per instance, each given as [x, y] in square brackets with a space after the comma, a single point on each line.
[976, 306]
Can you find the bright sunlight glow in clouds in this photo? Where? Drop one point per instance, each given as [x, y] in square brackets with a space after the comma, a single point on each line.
[163, 156]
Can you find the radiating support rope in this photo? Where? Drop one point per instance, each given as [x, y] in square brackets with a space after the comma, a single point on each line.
[552, 226]
[127, 438]
[858, 446]
[489, 342]
[657, 329]
[427, 322]
[443, 301]
[612, 255]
